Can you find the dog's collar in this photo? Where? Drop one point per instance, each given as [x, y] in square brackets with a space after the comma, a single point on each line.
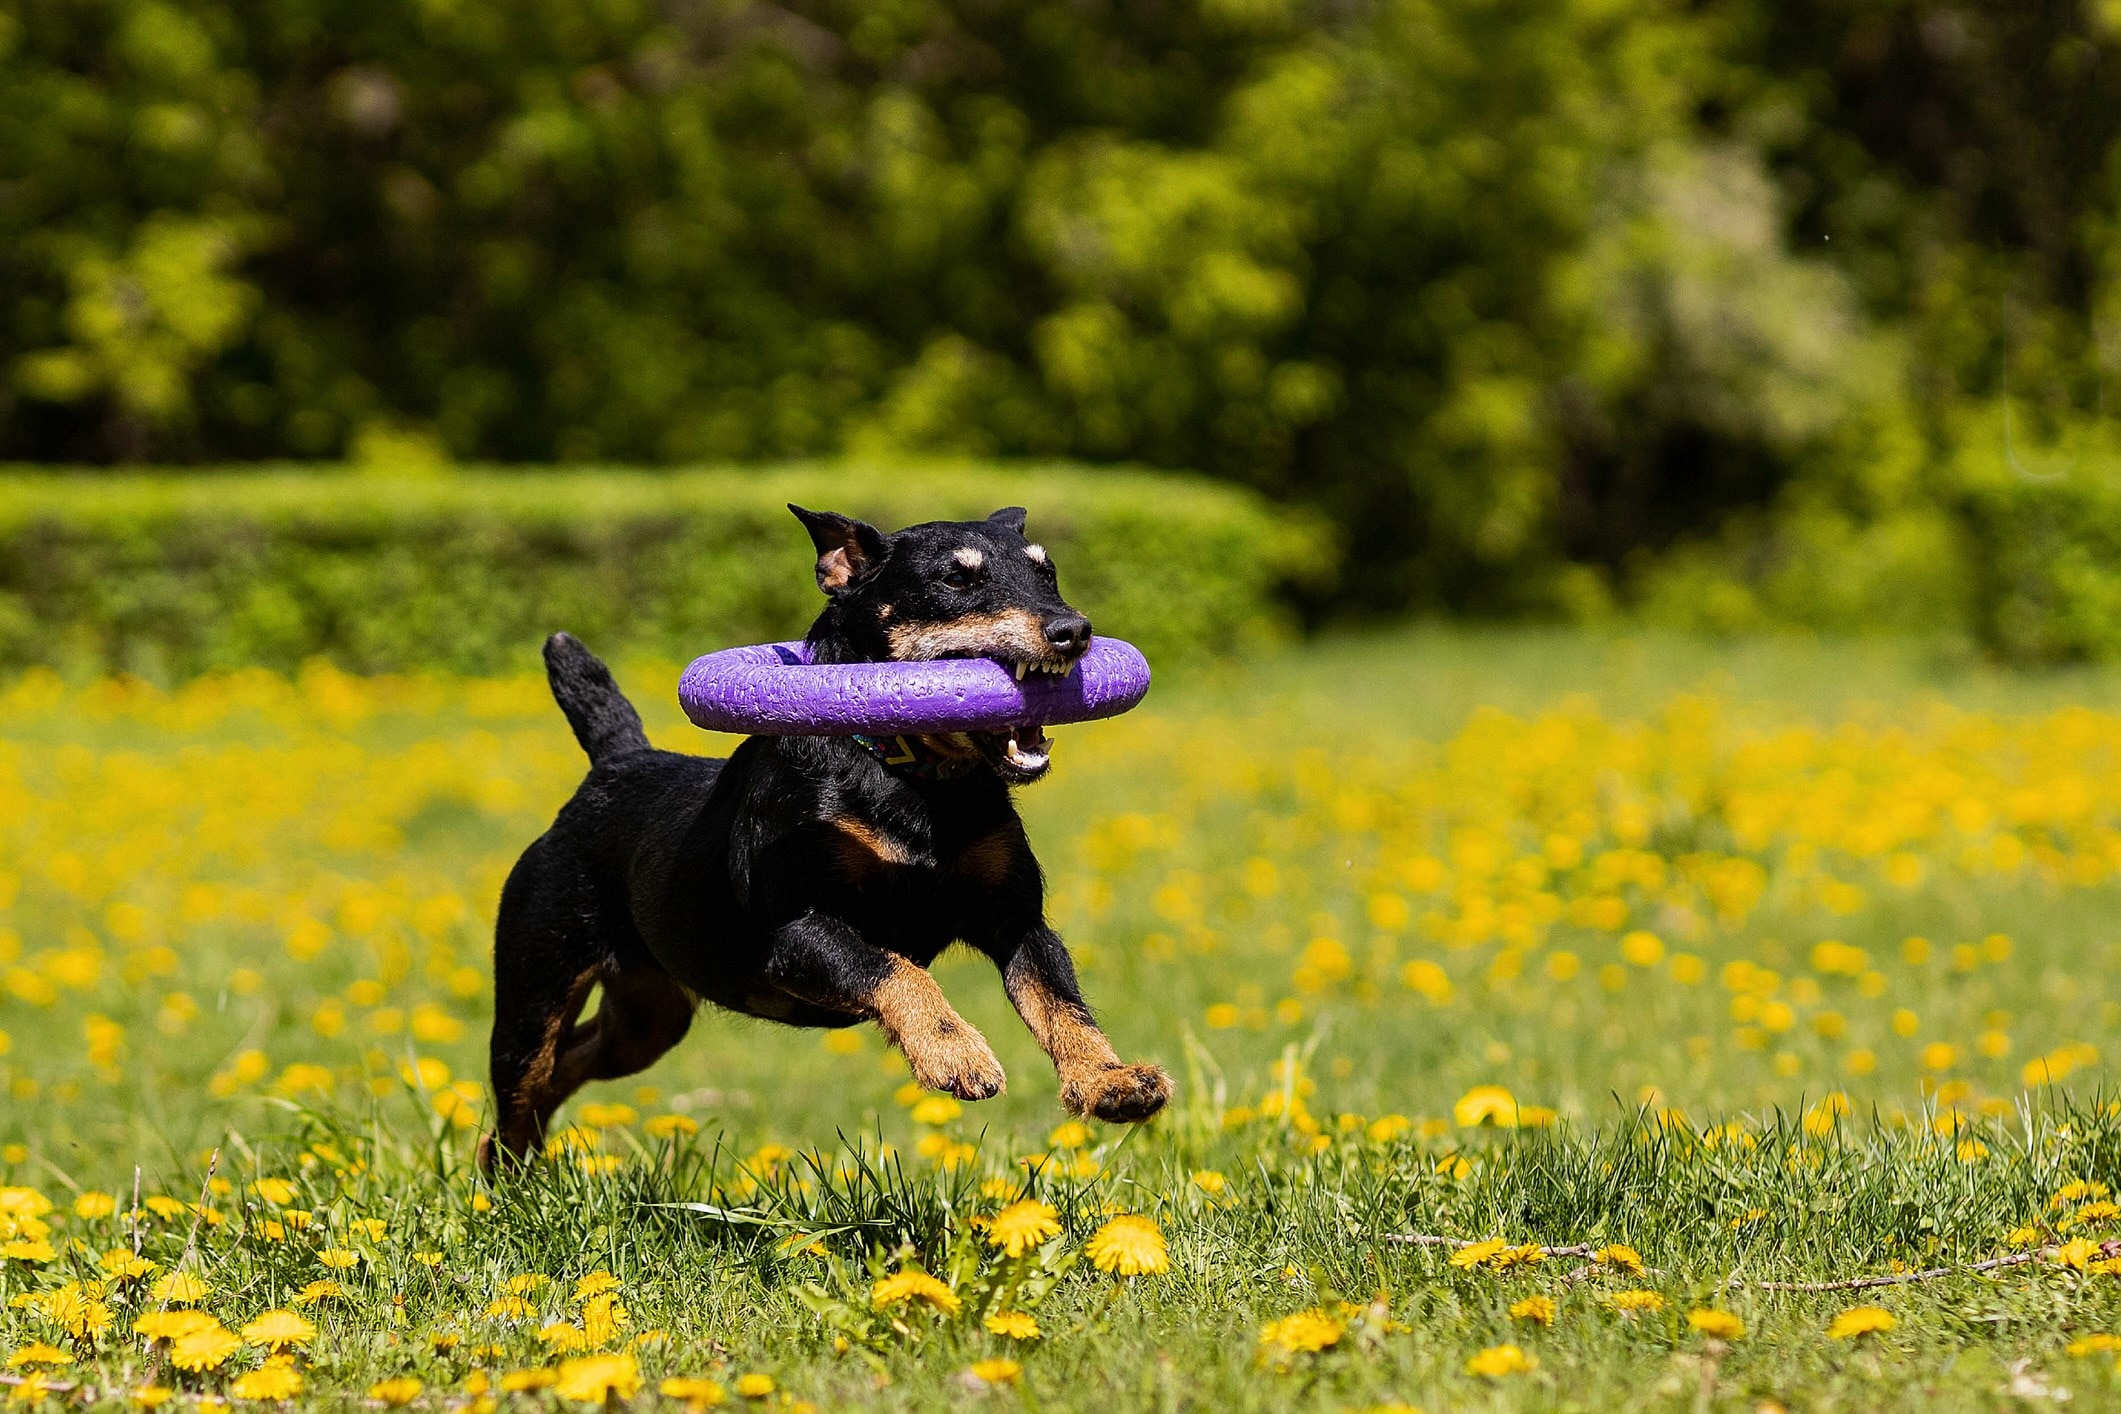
[910, 756]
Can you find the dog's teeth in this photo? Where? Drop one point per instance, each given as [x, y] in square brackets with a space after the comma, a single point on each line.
[1020, 672]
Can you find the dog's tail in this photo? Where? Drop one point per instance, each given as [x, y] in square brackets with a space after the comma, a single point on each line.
[603, 720]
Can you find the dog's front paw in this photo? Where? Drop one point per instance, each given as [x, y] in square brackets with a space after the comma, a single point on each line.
[960, 1064]
[1118, 1094]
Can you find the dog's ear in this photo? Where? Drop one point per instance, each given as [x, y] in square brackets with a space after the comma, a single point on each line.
[1009, 518]
[846, 549]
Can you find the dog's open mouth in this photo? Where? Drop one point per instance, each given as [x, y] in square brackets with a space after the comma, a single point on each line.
[1018, 755]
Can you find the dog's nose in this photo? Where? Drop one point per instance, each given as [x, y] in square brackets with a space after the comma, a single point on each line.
[1070, 633]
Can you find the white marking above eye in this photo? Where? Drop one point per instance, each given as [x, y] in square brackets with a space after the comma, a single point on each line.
[1037, 553]
[970, 558]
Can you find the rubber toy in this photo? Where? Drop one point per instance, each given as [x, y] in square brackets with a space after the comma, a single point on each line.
[773, 689]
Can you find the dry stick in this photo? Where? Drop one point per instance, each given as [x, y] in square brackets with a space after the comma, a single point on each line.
[2014, 1259]
[2107, 1249]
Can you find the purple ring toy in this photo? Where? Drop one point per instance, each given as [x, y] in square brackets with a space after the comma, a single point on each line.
[773, 689]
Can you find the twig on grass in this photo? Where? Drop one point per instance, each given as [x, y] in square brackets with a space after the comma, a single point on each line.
[2108, 1249]
[2013, 1259]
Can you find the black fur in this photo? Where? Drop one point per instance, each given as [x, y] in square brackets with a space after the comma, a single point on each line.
[800, 878]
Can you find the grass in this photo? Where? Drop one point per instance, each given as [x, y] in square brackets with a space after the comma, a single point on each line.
[1769, 961]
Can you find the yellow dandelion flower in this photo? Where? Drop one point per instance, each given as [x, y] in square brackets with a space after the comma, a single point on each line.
[16, 1202]
[603, 1318]
[34, 1250]
[1720, 1324]
[119, 1264]
[755, 1386]
[275, 1379]
[317, 1291]
[1209, 1181]
[594, 1379]
[38, 1353]
[1478, 1253]
[1637, 1300]
[1129, 1245]
[279, 1329]
[2076, 1253]
[1017, 1325]
[206, 1349]
[671, 1127]
[508, 1308]
[997, 1371]
[1537, 1309]
[695, 1392]
[2099, 1343]
[151, 1396]
[936, 1109]
[180, 1289]
[2022, 1236]
[1620, 1255]
[77, 1309]
[595, 1284]
[1304, 1333]
[1499, 1360]
[561, 1336]
[913, 1285]
[397, 1392]
[1486, 1104]
[517, 1381]
[95, 1205]
[33, 1388]
[1385, 1128]
[1022, 1226]
[276, 1191]
[1859, 1321]
[339, 1259]
[173, 1325]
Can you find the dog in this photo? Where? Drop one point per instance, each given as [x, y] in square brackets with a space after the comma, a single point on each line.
[806, 880]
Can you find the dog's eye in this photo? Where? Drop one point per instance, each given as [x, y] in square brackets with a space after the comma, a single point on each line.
[959, 578]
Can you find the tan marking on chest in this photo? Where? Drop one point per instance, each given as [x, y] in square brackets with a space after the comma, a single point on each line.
[991, 859]
[862, 849]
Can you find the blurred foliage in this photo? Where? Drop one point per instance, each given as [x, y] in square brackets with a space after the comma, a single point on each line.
[170, 576]
[1563, 304]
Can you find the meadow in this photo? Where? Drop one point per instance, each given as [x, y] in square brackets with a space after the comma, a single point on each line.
[1656, 986]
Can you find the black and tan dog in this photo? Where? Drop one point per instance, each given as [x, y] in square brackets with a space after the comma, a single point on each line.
[810, 880]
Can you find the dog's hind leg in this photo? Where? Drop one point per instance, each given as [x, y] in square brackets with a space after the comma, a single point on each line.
[641, 1013]
[548, 951]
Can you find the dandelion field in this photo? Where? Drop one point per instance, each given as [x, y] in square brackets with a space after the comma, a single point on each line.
[1635, 978]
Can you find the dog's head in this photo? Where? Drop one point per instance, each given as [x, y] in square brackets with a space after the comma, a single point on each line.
[948, 589]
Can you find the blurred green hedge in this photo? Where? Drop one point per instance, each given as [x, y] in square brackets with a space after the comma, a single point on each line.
[168, 576]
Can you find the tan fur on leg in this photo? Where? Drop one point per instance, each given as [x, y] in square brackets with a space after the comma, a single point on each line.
[946, 1053]
[1094, 1081]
